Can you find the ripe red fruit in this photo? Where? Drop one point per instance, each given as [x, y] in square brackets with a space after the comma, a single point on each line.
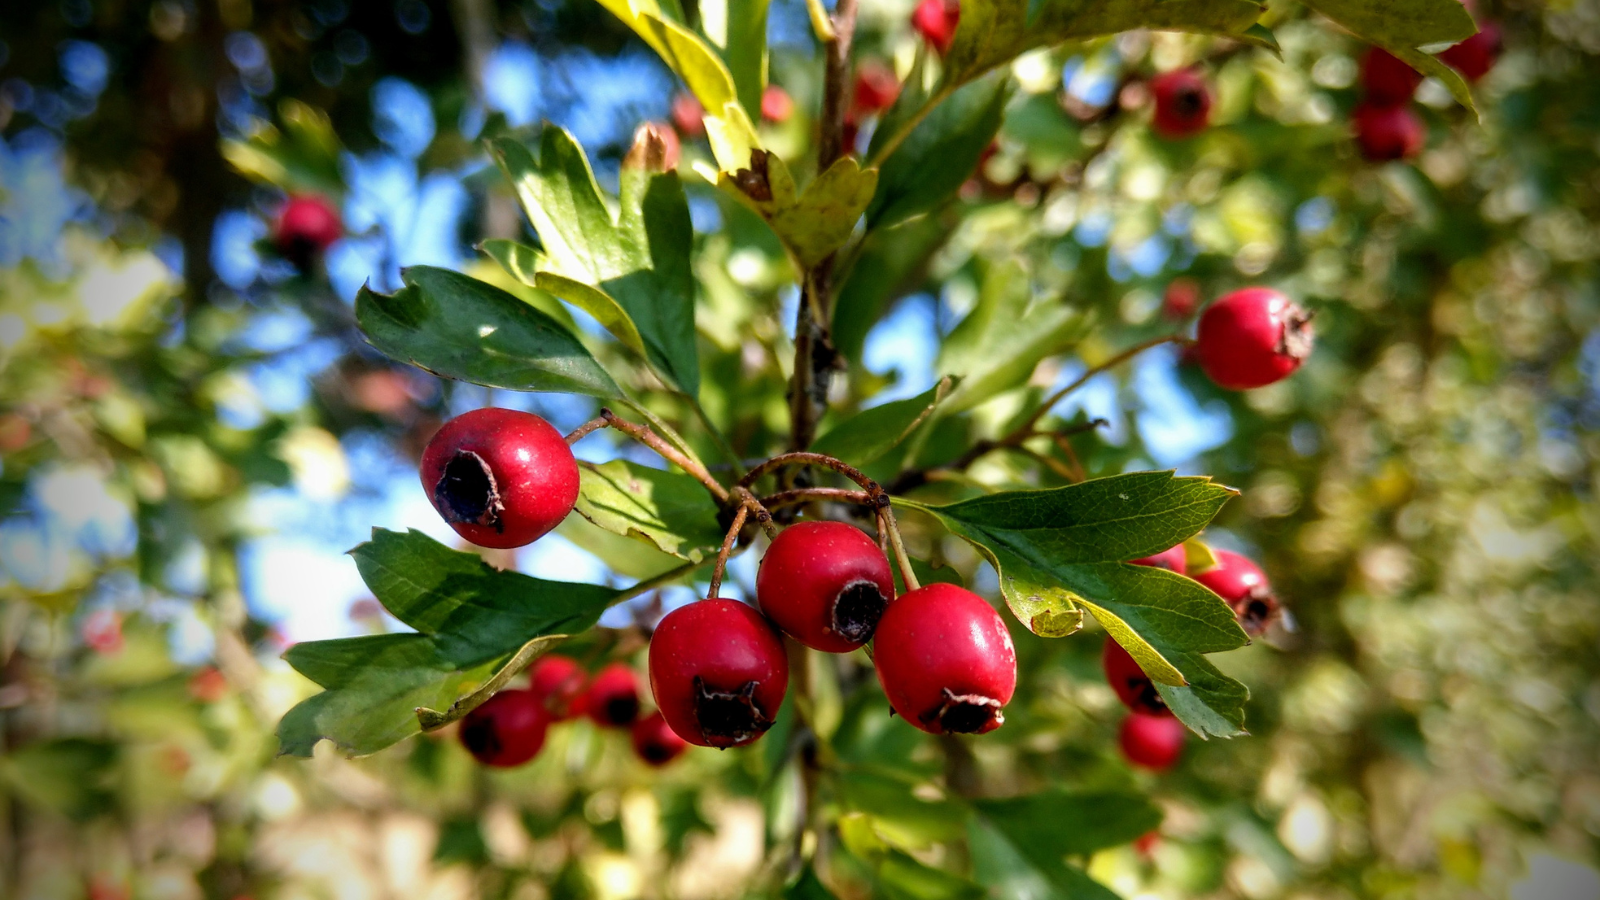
[1252, 337]
[825, 584]
[687, 116]
[558, 682]
[1386, 133]
[507, 730]
[776, 104]
[1476, 55]
[1154, 742]
[655, 742]
[719, 672]
[1244, 587]
[306, 225]
[500, 477]
[1134, 688]
[876, 87]
[1183, 104]
[936, 21]
[208, 685]
[612, 700]
[1173, 559]
[1387, 80]
[945, 660]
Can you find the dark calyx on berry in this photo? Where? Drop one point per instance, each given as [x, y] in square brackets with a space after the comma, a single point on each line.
[1298, 337]
[1189, 102]
[857, 610]
[1144, 690]
[1256, 610]
[622, 709]
[728, 719]
[966, 713]
[468, 493]
[481, 737]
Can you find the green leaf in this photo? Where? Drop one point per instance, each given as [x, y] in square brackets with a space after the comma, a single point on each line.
[892, 263]
[938, 156]
[303, 156]
[469, 617]
[869, 434]
[681, 49]
[462, 328]
[738, 29]
[901, 877]
[898, 815]
[998, 345]
[811, 224]
[1000, 866]
[1402, 26]
[72, 777]
[632, 271]
[807, 887]
[668, 510]
[1056, 822]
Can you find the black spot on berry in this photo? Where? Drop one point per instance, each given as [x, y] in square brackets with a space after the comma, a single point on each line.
[856, 611]
[728, 718]
[966, 713]
[467, 492]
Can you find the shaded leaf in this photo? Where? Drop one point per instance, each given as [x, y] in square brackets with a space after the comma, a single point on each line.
[901, 877]
[72, 777]
[939, 155]
[668, 510]
[807, 887]
[927, 574]
[1057, 822]
[1001, 867]
[738, 29]
[898, 815]
[871, 433]
[998, 345]
[890, 265]
[1402, 26]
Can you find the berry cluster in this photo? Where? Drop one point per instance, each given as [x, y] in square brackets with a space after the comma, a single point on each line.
[1386, 126]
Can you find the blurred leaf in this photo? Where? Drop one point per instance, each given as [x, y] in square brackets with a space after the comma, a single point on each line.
[738, 29]
[807, 887]
[871, 433]
[1401, 26]
[72, 777]
[898, 815]
[998, 345]
[939, 155]
[634, 266]
[303, 157]
[902, 878]
[811, 224]
[1099, 819]
[469, 617]
[1007, 871]
[668, 510]
[890, 264]
[458, 327]
[461, 841]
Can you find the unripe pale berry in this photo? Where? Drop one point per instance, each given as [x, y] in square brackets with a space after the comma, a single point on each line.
[500, 477]
[1132, 686]
[1386, 80]
[1183, 104]
[558, 681]
[1244, 587]
[719, 672]
[1252, 337]
[945, 660]
[655, 742]
[1173, 559]
[825, 584]
[936, 21]
[1387, 133]
[612, 700]
[507, 730]
[1153, 742]
[1476, 55]
[306, 226]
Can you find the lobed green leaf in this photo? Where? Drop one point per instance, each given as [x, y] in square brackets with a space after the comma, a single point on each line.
[668, 510]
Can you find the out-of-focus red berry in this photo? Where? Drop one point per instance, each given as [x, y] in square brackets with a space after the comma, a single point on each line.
[1152, 742]
[876, 87]
[1183, 103]
[1387, 133]
[306, 226]
[936, 21]
[687, 116]
[1476, 55]
[102, 631]
[1181, 299]
[208, 685]
[776, 104]
[1386, 80]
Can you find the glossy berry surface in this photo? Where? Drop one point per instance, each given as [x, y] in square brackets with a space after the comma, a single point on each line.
[1387, 133]
[1183, 104]
[1134, 688]
[936, 21]
[1252, 337]
[1476, 55]
[1386, 81]
[719, 672]
[558, 681]
[825, 584]
[776, 104]
[876, 87]
[500, 477]
[945, 660]
[507, 730]
[655, 742]
[612, 700]
[1152, 742]
[1244, 587]
[306, 226]
[1173, 559]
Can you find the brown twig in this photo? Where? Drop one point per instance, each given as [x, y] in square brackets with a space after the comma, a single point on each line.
[586, 429]
[806, 495]
[728, 540]
[644, 435]
[887, 522]
[811, 459]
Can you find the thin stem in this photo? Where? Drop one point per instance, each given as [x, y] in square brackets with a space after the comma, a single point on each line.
[806, 495]
[887, 522]
[1027, 427]
[644, 435]
[728, 540]
[814, 459]
[586, 429]
[1054, 465]
[1072, 455]
[836, 84]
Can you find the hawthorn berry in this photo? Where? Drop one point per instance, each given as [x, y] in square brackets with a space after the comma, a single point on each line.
[306, 226]
[1387, 133]
[825, 584]
[945, 660]
[688, 116]
[776, 104]
[876, 87]
[1173, 559]
[1476, 55]
[1183, 104]
[1181, 299]
[500, 477]
[507, 730]
[1132, 686]
[719, 672]
[1153, 742]
[558, 681]
[936, 21]
[1252, 337]
[1244, 587]
[612, 700]
[655, 742]
[1387, 80]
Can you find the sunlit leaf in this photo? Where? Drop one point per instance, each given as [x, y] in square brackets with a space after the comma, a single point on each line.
[869, 434]
[939, 155]
[670, 511]
[1402, 26]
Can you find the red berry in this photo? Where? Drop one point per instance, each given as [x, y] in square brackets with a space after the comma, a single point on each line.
[825, 584]
[306, 225]
[655, 742]
[936, 20]
[1134, 688]
[876, 87]
[719, 672]
[1244, 587]
[1387, 80]
[558, 682]
[612, 700]
[1386, 133]
[776, 104]
[507, 730]
[1476, 55]
[1252, 337]
[1154, 742]
[208, 685]
[1145, 845]
[1181, 300]
[945, 660]
[500, 477]
[1183, 104]
[1173, 559]
[687, 116]
[102, 632]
